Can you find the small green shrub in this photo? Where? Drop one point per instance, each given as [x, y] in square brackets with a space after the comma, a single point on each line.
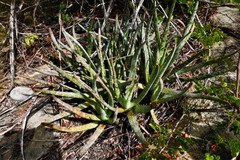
[64, 15]
[160, 139]
[225, 90]
[211, 157]
[227, 144]
[208, 35]
[30, 39]
[187, 4]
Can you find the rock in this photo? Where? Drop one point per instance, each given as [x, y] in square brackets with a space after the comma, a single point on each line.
[21, 93]
[38, 143]
[227, 18]
[37, 118]
[230, 76]
[228, 46]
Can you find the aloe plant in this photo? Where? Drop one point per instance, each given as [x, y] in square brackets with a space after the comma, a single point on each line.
[120, 71]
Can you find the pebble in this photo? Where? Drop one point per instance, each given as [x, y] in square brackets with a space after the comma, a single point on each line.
[21, 93]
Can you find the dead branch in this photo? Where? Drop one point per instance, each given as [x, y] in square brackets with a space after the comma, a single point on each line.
[11, 42]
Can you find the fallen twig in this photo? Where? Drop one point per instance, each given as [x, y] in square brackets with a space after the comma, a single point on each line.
[11, 42]
[9, 129]
[14, 106]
